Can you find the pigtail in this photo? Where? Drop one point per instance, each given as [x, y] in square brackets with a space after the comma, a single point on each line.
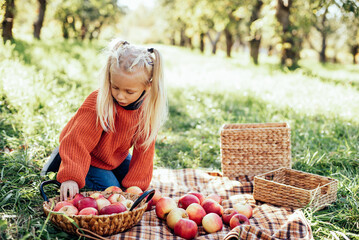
[154, 110]
[105, 106]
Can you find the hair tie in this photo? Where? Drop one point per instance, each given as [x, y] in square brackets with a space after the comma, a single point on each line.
[150, 50]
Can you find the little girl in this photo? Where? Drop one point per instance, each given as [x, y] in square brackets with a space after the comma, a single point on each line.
[127, 110]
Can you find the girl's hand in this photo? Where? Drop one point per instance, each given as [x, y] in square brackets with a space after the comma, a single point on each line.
[70, 187]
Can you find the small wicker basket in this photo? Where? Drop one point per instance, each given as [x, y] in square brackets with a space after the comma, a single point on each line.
[252, 149]
[292, 188]
[103, 225]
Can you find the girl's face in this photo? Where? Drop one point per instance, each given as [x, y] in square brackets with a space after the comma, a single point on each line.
[126, 88]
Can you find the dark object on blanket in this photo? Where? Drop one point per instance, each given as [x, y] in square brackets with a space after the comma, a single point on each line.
[252, 149]
[103, 225]
[292, 188]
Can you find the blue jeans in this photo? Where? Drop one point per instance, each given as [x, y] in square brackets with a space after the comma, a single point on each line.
[99, 179]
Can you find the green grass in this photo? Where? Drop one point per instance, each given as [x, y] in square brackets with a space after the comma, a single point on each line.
[42, 83]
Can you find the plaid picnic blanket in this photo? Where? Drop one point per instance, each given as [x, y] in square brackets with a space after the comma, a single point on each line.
[267, 222]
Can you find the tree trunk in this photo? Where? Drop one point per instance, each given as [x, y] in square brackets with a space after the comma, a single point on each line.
[40, 19]
[229, 41]
[214, 42]
[182, 38]
[270, 50]
[254, 51]
[354, 52]
[8, 21]
[323, 32]
[289, 55]
[256, 39]
[65, 30]
[322, 56]
[84, 29]
[189, 42]
[173, 39]
[201, 46]
[73, 26]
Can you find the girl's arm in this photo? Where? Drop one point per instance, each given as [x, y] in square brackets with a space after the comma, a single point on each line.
[141, 167]
[78, 139]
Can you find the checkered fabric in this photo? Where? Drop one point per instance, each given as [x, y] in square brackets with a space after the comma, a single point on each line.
[267, 222]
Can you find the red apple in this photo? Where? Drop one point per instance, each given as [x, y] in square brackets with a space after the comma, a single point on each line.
[164, 206]
[113, 189]
[237, 220]
[96, 195]
[175, 215]
[76, 199]
[86, 202]
[157, 196]
[69, 210]
[116, 197]
[228, 214]
[102, 202]
[215, 197]
[244, 208]
[61, 204]
[113, 208]
[149, 205]
[211, 206]
[127, 203]
[135, 190]
[212, 223]
[186, 228]
[186, 200]
[154, 200]
[88, 211]
[196, 213]
[198, 195]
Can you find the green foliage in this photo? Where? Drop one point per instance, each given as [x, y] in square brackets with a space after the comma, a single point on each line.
[85, 18]
[43, 83]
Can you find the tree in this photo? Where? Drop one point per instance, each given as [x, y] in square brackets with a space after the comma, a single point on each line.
[40, 19]
[350, 11]
[181, 17]
[8, 20]
[323, 24]
[232, 21]
[255, 34]
[291, 44]
[85, 18]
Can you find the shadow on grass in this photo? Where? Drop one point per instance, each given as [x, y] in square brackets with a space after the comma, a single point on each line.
[325, 79]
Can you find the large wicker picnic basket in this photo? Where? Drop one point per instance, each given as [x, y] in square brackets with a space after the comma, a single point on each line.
[103, 225]
[292, 188]
[255, 148]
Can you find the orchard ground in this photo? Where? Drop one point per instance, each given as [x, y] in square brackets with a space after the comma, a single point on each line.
[42, 83]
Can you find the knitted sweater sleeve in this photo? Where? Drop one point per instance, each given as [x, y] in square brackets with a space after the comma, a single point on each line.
[141, 167]
[77, 140]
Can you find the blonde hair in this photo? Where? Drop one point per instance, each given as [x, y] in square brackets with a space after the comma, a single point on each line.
[153, 111]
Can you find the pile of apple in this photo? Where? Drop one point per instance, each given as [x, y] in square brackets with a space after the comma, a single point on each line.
[97, 203]
[193, 210]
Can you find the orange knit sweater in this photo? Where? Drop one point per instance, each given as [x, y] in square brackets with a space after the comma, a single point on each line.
[83, 142]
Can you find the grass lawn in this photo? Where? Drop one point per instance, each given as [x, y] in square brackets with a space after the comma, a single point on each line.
[42, 83]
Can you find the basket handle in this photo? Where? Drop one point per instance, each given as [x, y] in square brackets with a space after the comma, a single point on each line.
[83, 232]
[150, 193]
[47, 183]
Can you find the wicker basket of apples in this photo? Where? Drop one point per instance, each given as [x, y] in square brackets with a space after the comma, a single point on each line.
[103, 213]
